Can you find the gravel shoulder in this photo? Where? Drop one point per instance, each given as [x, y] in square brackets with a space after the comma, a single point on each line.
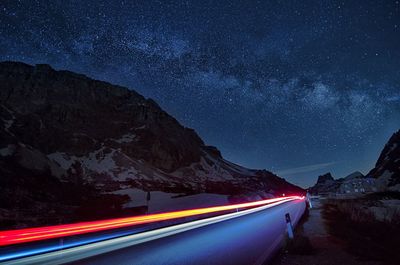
[314, 245]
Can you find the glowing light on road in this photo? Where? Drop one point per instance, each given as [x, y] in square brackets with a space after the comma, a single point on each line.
[42, 233]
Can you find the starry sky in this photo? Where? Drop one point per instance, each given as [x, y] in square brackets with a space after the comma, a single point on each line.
[297, 87]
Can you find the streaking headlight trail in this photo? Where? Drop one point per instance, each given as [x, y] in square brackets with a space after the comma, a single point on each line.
[98, 244]
[48, 232]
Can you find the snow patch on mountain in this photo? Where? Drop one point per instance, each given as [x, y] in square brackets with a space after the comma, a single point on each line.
[62, 159]
[110, 162]
[8, 150]
[8, 122]
[126, 138]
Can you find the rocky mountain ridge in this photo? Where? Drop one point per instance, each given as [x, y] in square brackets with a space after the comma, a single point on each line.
[70, 145]
[327, 184]
[387, 167]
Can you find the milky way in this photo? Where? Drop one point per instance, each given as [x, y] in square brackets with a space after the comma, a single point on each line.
[297, 87]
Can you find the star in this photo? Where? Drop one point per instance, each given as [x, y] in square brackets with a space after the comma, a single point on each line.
[269, 84]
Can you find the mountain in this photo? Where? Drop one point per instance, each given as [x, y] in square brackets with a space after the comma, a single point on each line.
[73, 148]
[354, 175]
[325, 183]
[387, 167]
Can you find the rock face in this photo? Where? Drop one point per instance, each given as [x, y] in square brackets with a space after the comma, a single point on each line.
[73, 147]
[387, 168]
[354, 175]
[325, 179]
[325, 184]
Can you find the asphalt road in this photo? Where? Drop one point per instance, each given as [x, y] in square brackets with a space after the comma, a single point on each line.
[249, 236]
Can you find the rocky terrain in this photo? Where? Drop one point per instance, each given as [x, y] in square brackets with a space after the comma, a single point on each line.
[327, 184]
[73, 148]
[387, 168]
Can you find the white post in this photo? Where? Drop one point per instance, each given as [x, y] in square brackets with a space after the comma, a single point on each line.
[148, 200]
[309, 200]
[289, 226]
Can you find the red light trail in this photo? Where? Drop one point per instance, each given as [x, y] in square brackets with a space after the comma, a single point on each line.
[48, 232]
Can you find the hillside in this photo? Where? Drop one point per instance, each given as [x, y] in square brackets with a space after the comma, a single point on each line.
[74, 148]
[387, 167]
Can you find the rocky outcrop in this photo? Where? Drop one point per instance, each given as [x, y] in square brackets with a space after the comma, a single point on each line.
[354, 175]
[387, 167]
[325, 184]
[69, 112]
[66, 139]
[325, 179]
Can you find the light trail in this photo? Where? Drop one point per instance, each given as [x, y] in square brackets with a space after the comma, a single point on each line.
[42, 233]
[73, 252]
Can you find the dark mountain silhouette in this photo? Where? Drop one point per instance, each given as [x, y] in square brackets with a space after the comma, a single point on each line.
[387, 167]
[74, 148]
[325, 183]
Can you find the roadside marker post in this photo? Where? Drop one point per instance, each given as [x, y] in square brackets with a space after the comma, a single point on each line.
[309, 200]
[289, 226]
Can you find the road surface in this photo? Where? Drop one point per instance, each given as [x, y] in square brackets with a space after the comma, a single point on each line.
[248, 236]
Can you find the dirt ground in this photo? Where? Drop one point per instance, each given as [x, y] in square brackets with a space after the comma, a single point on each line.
[315, 246]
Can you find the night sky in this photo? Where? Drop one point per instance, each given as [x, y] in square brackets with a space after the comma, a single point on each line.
[296, 87]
